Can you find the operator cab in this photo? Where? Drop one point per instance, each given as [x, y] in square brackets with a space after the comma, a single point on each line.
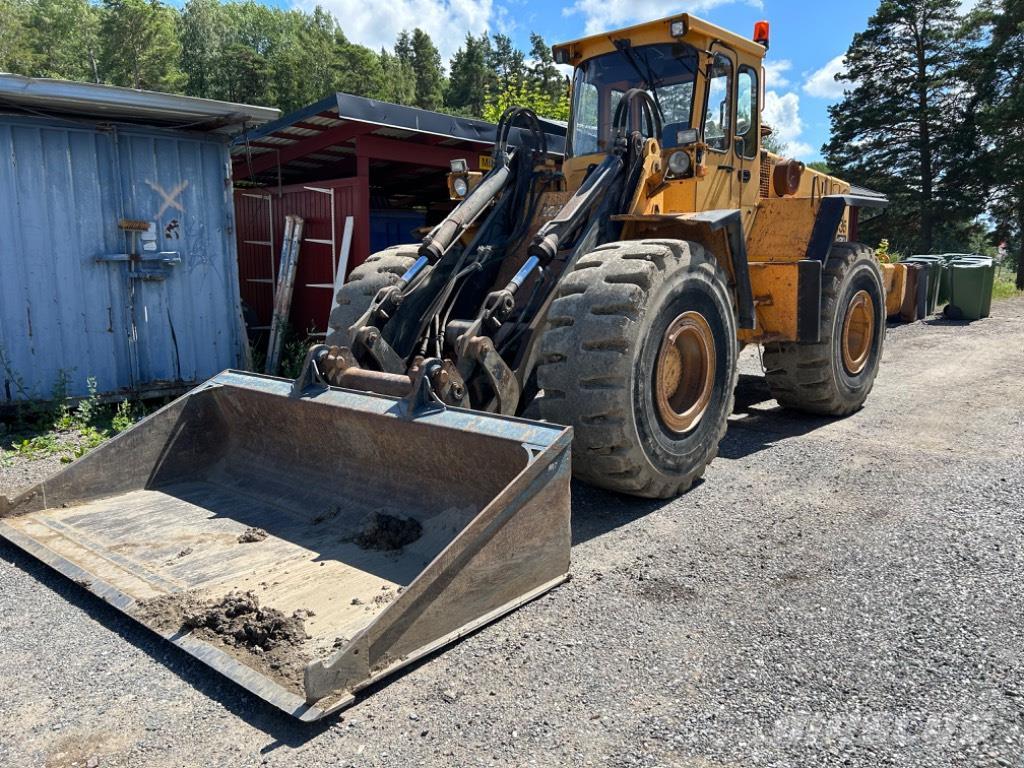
[667, 71]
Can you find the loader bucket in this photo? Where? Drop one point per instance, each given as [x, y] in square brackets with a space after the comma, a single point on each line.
[307, 545]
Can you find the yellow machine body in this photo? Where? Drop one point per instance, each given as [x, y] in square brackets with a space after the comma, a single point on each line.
[777, 223]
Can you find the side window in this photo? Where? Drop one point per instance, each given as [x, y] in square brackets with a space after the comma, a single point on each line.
[746, 113]
[584, 136]
[717, 117]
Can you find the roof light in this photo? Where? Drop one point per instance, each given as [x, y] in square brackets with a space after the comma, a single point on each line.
[677, 28]
[762, 33]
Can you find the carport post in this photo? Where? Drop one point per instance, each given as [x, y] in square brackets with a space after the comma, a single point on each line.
[361, 235]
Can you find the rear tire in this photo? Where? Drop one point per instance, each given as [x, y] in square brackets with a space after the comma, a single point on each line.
[382, 269]
[819, 378]
[611, 328]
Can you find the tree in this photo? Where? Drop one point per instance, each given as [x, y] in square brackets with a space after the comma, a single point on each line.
[506, 63]
[64, 35]
[15, 40]
[202, 31]
[467, 81]
[997, 70]
[399, 80]
[360, 71]
[140, 45]
[244, 70]
[900, 128]
[524, 94]
[544, 76]
[429, 74]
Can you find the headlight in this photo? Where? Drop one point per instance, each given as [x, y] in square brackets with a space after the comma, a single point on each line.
[461, 186]
[679, 163]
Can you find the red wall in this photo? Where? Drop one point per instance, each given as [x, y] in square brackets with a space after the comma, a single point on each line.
[310, 305]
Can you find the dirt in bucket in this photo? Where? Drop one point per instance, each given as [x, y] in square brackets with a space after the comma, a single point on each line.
[252, 535]
[266, 638]
[385, 532]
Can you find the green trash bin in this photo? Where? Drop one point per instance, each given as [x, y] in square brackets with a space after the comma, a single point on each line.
[936, 266]
[970, 288]
[990, 278]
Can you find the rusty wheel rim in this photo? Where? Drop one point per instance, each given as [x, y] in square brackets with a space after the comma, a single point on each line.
[858, 332]
[685, 372]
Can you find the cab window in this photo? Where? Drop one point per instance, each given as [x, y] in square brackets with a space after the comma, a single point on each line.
[746, 113]
[666, 71]
[718, 117]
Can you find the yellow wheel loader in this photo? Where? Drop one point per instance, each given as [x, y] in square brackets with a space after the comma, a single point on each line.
[307, 538]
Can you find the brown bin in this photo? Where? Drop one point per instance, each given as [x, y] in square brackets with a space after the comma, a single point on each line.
[917, 286]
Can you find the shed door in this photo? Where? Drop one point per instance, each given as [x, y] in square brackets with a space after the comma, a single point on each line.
[175, 272]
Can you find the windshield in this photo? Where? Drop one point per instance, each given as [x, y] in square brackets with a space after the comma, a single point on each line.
[666, 71]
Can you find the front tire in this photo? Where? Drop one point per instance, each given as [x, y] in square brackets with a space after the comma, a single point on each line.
[834, 376]
[382, 269]
[639, 357]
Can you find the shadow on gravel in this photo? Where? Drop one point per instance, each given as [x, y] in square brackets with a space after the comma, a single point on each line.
[942, 320]
[761, 427]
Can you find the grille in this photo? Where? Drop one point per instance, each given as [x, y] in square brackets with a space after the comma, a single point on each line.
[766, 172]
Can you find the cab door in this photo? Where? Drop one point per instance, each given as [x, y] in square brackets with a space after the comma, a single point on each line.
[746, 141]
[718, 188]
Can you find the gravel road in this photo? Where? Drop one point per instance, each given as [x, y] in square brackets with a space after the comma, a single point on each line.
[834, 593]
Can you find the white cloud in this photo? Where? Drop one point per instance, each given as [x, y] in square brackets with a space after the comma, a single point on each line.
[606, 15]
[376, 24]
[823, 84]
[782, 113]
[775, 73]
[799, 149]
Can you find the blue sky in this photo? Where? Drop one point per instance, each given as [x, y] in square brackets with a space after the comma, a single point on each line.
[808, 39]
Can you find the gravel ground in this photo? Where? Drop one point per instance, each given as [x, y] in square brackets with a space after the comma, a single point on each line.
[834, 593]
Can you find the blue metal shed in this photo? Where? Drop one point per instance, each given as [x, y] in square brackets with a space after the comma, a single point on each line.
[117, 248]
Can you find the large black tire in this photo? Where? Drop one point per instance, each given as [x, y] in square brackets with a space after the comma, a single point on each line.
[364, 283]
[814, 378]
[598, 356]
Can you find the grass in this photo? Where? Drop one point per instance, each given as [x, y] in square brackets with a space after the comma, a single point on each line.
[1005, 287]
[63, 429]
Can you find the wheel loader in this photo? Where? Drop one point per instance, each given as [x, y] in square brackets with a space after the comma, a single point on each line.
[306, 538]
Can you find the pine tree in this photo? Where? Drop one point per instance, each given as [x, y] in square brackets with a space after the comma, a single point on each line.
[997, 70]
[544, 75]
[426, 63]
[140, 45]
[468, 76]
[899, 128]
[399, 80]
[506, 63]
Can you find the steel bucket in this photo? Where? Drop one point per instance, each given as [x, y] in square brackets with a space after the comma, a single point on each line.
[306, 545]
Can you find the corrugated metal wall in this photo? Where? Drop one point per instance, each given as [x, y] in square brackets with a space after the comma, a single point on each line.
[64, 187]
[311, 301]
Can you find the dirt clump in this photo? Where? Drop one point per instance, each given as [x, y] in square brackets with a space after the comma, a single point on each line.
[252, 535]
[388, 532]
[239, 620]
[264, 638]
